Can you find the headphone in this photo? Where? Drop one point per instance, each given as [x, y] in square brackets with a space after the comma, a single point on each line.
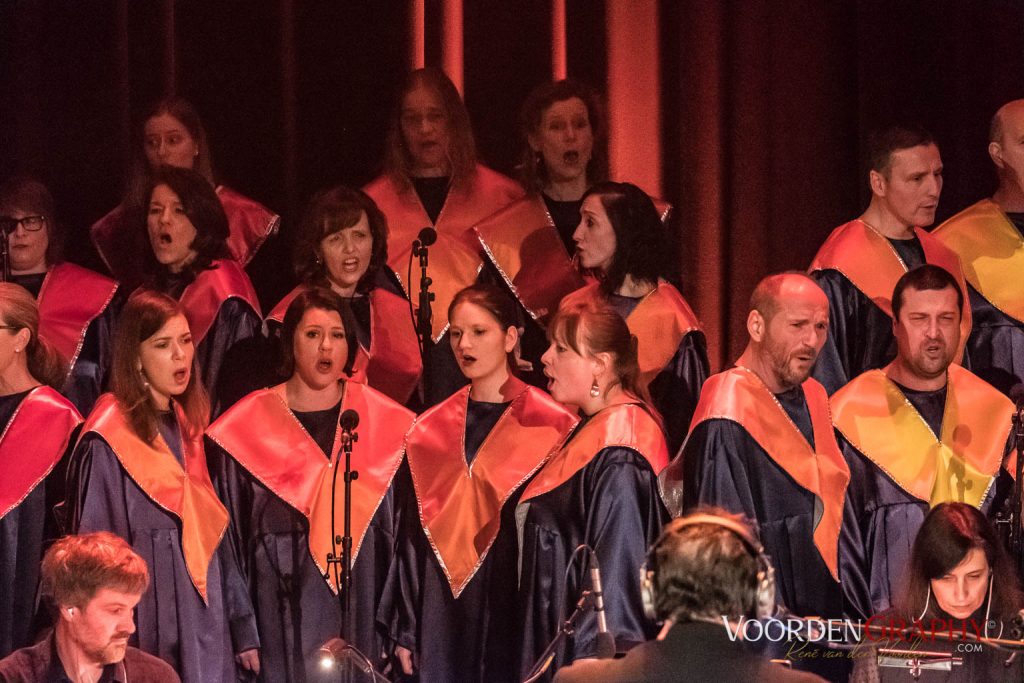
[763, 592]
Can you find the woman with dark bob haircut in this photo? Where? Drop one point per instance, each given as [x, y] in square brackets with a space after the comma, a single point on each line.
[77, 307]
[139, 471]
[276, 481]
[187, 258]
[342, 245]
[432, 178]
[172, 134]
[960, 578]
[467, 461]
[622, 240]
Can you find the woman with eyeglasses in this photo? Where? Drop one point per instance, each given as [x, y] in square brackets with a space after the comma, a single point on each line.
[38, 429]
[77, 307]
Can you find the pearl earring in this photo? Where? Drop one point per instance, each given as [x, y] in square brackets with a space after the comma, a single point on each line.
[595, 390]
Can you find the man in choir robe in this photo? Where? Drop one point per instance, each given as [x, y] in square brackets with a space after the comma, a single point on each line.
[761, 444]
[860, 262]
[918, 432]
[987, 238]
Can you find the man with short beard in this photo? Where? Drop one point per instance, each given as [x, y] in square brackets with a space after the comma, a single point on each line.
[93, 583]
[918, 432]
[761, 444]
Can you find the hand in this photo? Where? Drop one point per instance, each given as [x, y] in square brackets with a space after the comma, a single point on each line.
[521, 365]
[249, 660]
[405, 659]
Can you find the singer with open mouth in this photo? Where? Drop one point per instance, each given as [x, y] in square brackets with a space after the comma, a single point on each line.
[139, 471]
[468, 459]
[600, 489]
[188, 259]
[274, 457]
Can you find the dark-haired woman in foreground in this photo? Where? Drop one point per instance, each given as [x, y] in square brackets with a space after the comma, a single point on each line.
[140, 472]
[188, 259]
[467, 460]
[622, 239]
[600, 489]
[960, 579]
[37, 429]
[277, 482]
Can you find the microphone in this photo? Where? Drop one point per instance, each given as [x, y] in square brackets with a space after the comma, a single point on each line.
[605, 640]
[427, 236]
[335, 652]
[349, 420]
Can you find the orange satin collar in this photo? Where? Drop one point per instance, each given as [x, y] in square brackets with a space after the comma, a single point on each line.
[460, 505]
[185, 492]
[203, 298]
[33, 442]
[250, 224]
[454, 259]
[523, 244]
[283, 457]
[991, 252]
[868, 260]
[660, 322]
[70, 299]
[619, 425]
[878, 420]
[740, 396]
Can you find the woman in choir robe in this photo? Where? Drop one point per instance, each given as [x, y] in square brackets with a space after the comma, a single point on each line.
[139, 471]
[343, 245]
[277, 482]
[599, 490]
[528, 244]
[38, 425]
[172, 134]
[622, 239]
[188, 259]
[467, 460]
[432, 179]
[77, 307]
[961, 580]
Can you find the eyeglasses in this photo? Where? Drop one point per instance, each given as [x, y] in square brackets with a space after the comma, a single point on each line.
[30, 223]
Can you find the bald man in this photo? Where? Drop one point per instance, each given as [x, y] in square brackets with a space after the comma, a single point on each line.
[919, 432]
[987, 238]
[860, 262]
[762, 444]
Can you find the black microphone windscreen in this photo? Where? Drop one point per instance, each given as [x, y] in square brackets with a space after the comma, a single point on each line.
[1017, 393]
[349, 420]
[427, 236]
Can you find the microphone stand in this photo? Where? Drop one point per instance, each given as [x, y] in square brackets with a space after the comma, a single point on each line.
[5, 254]
[344, 583]
[568, 627]
[1016, 528]
[424, 315]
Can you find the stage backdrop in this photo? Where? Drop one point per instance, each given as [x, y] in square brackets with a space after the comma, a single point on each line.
[749, 116]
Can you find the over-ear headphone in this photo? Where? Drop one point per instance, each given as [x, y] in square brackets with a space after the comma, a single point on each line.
[763, 592]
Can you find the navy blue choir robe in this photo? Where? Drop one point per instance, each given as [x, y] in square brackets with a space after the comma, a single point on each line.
[991, 250]
[78, 310]
[296, 610]
[198, 637]
[27, 499]
[604, 496]
[458, 617]
[224, 317]
[887, 502]
[858, 269]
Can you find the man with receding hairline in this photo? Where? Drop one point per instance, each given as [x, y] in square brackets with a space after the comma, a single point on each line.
[860, 262]
[987, 238]
[918, 432]
[761, 444]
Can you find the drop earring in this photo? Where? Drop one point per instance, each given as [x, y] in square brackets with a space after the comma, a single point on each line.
[595, 390]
